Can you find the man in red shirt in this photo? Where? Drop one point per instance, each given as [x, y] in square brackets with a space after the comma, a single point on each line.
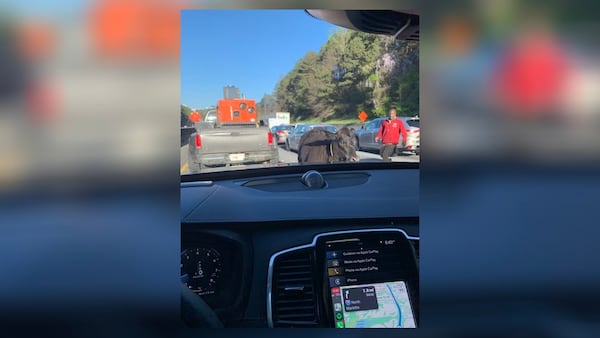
[389, 134]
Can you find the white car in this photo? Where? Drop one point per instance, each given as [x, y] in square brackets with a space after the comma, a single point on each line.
[413, 135]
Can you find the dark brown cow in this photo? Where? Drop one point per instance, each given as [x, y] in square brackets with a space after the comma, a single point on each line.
[321, 146]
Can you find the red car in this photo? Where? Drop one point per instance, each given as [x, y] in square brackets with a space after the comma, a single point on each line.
[281, 132]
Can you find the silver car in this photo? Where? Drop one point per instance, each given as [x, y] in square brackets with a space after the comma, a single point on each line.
[281, 132]
[293, 139]
[365, 136]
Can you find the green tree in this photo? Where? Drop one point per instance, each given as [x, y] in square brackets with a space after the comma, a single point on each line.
[357, 64]
[185, 112]
[352, 72]
[268, 104]
[298, 90]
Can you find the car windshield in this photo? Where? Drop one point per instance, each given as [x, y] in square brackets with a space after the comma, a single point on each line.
[282, 128]
[413, 123]
[330, 129]
[237, 95]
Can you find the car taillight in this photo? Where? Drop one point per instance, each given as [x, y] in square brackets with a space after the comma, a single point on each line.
[270, 138]
[198, 141]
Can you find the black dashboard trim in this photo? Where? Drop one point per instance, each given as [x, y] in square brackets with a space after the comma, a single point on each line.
[294, 169]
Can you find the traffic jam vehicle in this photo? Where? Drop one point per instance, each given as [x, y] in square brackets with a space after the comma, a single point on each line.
[232, 136]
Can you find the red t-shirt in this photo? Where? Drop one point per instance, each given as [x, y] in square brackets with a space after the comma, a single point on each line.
[390, 131]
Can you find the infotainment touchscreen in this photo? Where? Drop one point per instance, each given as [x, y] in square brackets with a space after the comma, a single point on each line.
[368, 279]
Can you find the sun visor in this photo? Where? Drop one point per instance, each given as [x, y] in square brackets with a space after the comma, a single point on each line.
[403, 25]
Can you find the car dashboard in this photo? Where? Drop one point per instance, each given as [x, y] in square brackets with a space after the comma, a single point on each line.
[305, 247]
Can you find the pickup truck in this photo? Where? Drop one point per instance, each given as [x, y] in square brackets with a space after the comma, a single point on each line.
[232, 138]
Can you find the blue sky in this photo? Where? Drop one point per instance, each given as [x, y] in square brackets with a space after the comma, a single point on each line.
[250, 49]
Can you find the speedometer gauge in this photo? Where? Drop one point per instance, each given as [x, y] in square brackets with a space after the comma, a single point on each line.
[201, 270]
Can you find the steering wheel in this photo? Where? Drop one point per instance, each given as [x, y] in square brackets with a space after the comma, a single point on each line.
[195, 312]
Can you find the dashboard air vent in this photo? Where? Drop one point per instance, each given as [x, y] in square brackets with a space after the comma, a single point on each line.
[294, 302]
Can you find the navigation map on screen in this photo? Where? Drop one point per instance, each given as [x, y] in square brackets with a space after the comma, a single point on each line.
[379, 305]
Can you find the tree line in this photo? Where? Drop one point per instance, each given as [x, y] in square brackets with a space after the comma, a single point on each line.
[352, 72]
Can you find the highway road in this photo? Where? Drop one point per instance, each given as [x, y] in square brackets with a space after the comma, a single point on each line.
[291, 157]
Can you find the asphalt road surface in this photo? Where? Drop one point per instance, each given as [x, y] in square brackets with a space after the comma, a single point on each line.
[291, 157]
